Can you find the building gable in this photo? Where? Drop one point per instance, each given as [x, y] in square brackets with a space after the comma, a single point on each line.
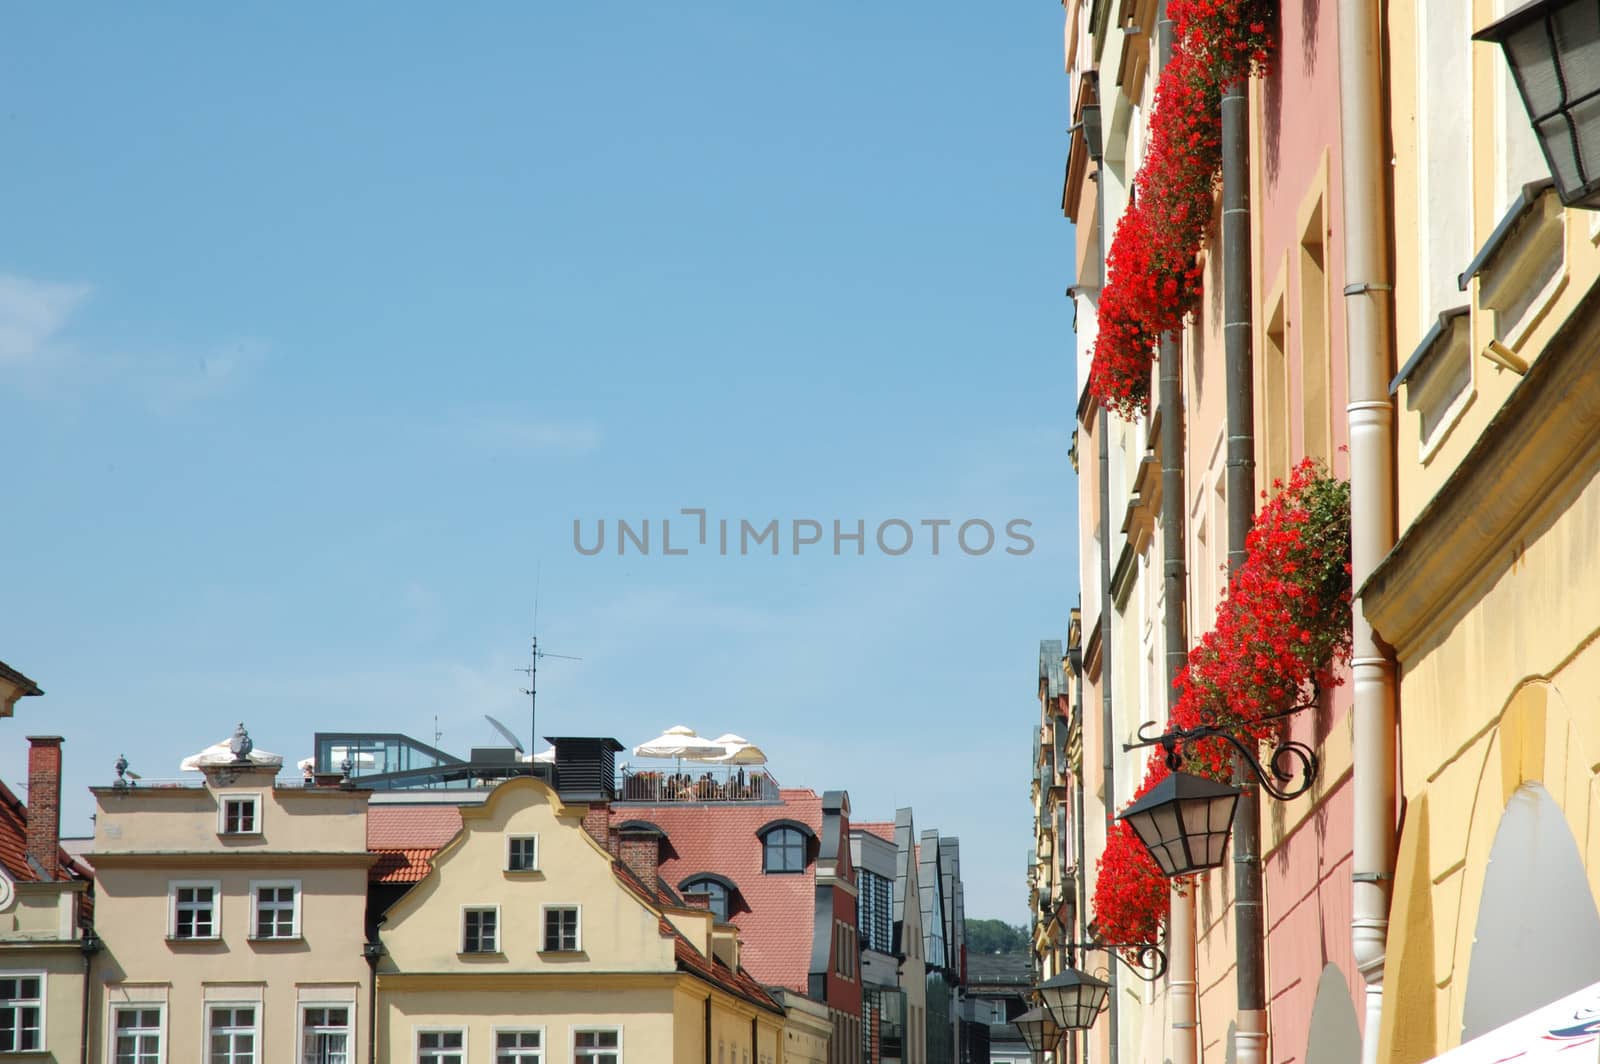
[425, 931]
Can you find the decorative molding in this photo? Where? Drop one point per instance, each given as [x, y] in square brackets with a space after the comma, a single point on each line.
[1538, 450]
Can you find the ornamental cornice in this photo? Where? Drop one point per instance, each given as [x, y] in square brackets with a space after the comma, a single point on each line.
[1537, 452]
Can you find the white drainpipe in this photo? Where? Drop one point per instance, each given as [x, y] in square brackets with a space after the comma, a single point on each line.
[1369, 296]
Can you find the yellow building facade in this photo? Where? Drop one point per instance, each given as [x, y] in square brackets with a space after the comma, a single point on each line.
[1491, 595]
[527, 935]
[232, 915]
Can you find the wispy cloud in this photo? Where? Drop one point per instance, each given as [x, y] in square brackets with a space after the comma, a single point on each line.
[528, 435]
[38, 345]
[33, 312]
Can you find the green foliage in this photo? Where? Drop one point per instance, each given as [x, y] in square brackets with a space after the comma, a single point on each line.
[995, 936]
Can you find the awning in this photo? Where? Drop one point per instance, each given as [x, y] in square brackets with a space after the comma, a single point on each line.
[1564, 1031]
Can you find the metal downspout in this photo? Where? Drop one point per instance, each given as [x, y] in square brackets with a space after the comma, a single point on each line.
[1181, 977]
[1250, 1035]
[1368, 330]
[1182, 981]
[1103, 433]
[1103, 430]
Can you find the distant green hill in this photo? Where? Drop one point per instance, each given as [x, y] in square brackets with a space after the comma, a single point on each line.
[995, 936]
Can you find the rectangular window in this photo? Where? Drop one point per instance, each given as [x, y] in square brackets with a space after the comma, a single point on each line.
[241, 815]
[480, 931]
[561, 929]
[441, 1047]
[136, 1034]
[194, 910]
[597, 1047]
[21, 1013]
[522, 853]
[232, 1034]
[325, 1034]
[519, 1047]
[277, 909]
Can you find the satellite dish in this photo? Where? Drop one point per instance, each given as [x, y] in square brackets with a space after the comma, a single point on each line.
[511, 736]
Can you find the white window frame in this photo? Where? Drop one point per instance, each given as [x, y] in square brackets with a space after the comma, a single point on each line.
[462, 941]
[160, 1008]
[534, 867]
[44, 989]
[210, 1007]
[256, 886]
[254, 798]
[175, 885]
[304, 1005]
[584, 1028]
[418, 1032]
[544, 1042]
[544, 924]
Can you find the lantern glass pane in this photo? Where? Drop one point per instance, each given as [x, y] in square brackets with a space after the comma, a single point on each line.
[1143, 825]
[1555, 137]
[1170, 857]
[1578, 45]
[1534, 66]
[1164, 818]
[1222, 812]
[1587, 117]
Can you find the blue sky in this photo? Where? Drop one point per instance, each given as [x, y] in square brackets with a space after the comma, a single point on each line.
[318, 330]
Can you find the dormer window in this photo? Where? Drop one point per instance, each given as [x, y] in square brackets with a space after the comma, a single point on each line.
[240, 815]
[784, 844]
[718, 889]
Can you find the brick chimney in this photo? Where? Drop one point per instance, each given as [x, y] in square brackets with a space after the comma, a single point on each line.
[597, 822]
[44, 804]
[641, 852]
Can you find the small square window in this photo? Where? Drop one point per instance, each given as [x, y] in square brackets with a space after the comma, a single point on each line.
[241, 815]
[136, 1035]
[441, 1047]
[597, 1046]
[522, 853]
[480, 931]
[232, 1030]
[277, 907]
[325, 1035]
[21, 1012]
[193, 913]
[519, 1047]
[561, 929]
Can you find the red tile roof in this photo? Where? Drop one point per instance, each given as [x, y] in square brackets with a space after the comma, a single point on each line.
[401, 866]
[884, 829]
[14, 844]
[775, 913]
[411, 827]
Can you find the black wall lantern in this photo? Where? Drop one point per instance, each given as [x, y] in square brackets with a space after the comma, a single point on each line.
[1073, 999]
[1184, 821]
[1090, 117]
[1553, 48]
[1038, 1029]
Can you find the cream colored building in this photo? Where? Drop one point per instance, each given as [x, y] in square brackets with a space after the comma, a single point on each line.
[43, 950]
[529, 935]
[232, 914]
[1491, 595]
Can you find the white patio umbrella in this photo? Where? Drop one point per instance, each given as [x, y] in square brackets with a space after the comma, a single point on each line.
[222, 754]
[737, 750]
[678, 743]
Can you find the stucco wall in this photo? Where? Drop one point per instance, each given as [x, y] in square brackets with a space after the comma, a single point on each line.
[423, 931]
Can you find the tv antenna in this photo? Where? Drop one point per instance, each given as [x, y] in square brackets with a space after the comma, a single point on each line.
[532, 690]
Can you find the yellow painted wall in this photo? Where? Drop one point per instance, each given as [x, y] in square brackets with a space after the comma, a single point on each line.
[145, 840]
[618, 932]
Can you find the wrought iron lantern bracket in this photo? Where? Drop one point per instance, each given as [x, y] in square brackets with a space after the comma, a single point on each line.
[1149, 963]
[1289, 772]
